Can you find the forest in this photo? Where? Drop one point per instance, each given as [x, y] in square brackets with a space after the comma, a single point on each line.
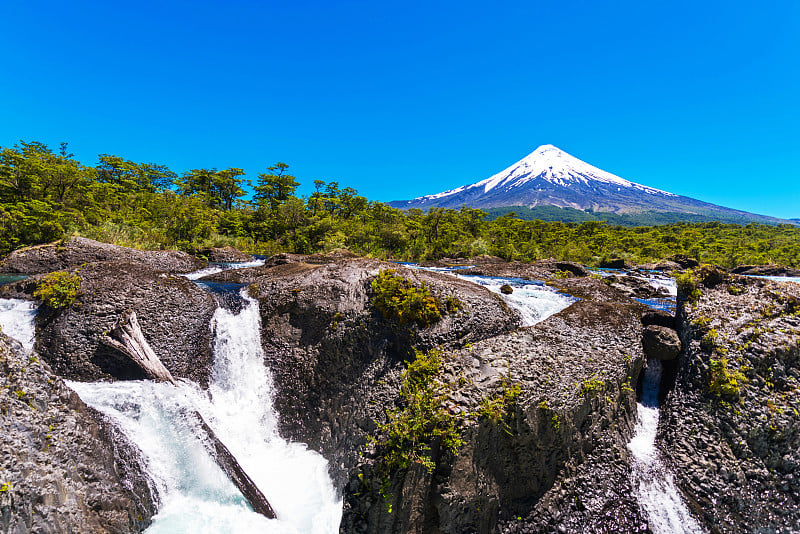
[47, 195]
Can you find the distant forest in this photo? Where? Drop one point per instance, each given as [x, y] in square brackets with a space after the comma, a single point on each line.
[47, 195]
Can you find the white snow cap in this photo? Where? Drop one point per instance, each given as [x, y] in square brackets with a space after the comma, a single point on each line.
[553, 165]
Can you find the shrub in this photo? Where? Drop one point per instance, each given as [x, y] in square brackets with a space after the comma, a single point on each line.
[501, 407]
[58, 289]
[420, 420]
[688, 285]
[400, 300]
[724, 381]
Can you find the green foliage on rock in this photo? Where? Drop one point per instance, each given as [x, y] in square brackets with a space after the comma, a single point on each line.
[724, 381]
[398, 299]
[500, 408]
[688, 285]
[420, 420]
[58, 289]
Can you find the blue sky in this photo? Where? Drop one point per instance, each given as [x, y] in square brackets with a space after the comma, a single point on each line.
[401, 99]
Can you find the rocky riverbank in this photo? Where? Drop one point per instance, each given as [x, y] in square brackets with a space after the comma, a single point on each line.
[545, 412]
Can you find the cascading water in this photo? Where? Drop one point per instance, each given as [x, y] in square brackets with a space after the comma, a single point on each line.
[666, 511]
[214, 268]
[534, 300]
[17, 320]
[195, 495]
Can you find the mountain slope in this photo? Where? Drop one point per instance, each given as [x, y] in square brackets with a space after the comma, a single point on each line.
[551, 177]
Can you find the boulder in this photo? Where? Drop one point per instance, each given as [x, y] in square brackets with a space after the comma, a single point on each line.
[174, 313]
[660, 342]
[63, 466]
[659, 318]
[613, 263]
[74, 252]
[684, 261]
[335, 359]
[225, 255]
[556, 462]
[506, 289]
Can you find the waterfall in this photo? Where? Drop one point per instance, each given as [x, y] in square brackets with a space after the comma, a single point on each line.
[195, 495]
[17, 318]
[658, 496]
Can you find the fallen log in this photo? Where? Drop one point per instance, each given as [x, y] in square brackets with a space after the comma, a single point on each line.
[130, 341]
[231, 467]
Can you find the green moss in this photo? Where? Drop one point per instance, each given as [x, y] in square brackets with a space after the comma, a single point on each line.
[58, 289]
[400, 300]
[723, 381]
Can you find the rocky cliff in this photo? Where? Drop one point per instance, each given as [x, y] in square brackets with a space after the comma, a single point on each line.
[62, 467]
[731, 423]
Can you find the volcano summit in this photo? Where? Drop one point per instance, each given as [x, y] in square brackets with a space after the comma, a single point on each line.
[551, 177]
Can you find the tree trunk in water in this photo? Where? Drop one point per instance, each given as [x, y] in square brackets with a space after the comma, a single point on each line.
[231, 467]
[131, 342]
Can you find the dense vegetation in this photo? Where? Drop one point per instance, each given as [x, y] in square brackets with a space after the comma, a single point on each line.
[46, 195]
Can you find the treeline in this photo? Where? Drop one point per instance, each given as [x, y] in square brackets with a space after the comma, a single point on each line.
[46, 195]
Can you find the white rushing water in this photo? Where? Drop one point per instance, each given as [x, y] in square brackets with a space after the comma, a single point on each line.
[214, 268]
[195, 495]
[534, 301]
[666, 511]
[17, 320]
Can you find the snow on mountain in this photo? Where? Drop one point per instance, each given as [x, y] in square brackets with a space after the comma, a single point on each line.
[550, 164]
[550, 177]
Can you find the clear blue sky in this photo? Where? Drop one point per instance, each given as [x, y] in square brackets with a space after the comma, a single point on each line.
[401, 99]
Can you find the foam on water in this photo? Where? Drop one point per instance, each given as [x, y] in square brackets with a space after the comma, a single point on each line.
[17, 320]
[195, 494]
[663, 505]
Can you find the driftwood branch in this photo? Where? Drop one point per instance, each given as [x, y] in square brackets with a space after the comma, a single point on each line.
[127, 337]
[130, 341]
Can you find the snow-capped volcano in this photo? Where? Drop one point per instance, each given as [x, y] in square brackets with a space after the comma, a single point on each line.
[548, 176]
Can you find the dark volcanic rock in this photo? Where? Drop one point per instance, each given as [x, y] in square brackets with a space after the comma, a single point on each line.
[766, 270]
[659, 318]
[174, 313]
[660, 342]
[731, 425]
[539, 270]
[562, 463]
[335, 359]
[79, 250]
[67, 469]
[506, 289]
[225, 255]
[635, 286]
[613, 263]
[684, 261]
